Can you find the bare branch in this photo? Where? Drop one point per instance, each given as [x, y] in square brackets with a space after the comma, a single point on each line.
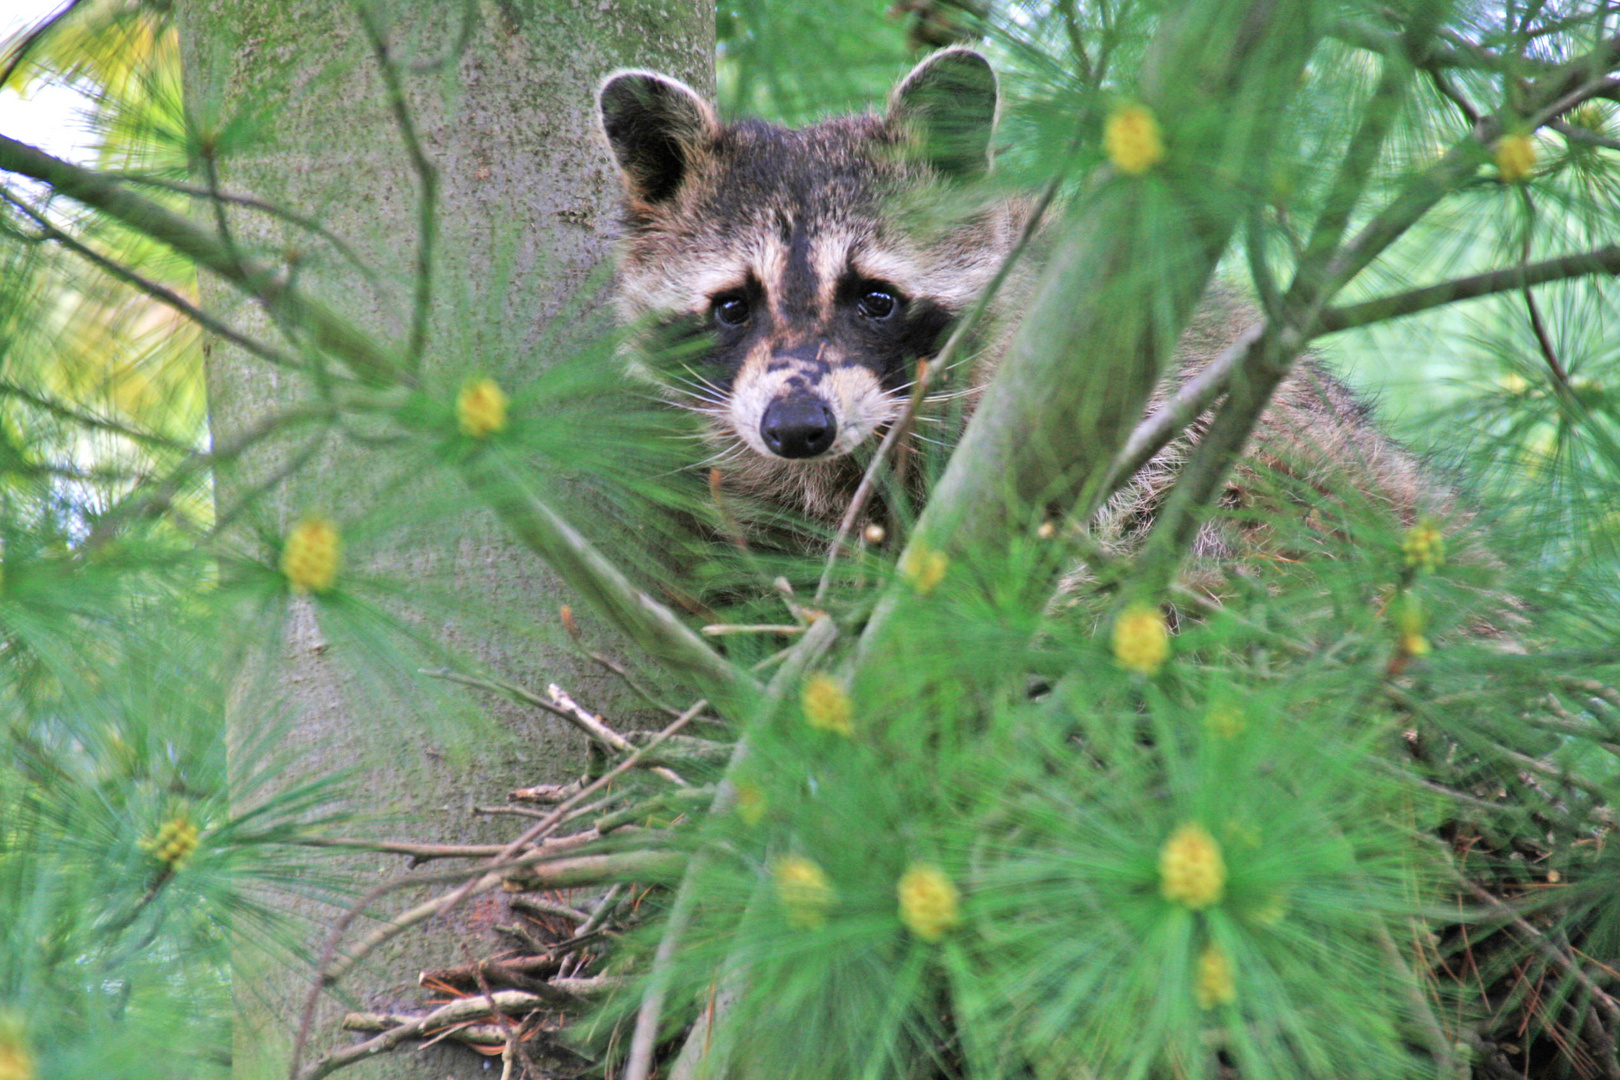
[427, 178]
[332, 968]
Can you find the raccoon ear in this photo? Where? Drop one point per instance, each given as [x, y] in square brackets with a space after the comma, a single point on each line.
[655, 125]
[947, 108]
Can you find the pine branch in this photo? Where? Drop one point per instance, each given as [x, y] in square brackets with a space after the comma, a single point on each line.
[1099, 330]
[1322, 273]
[331, 333]
[644, 1040]
[154, 289]
[1603, 260]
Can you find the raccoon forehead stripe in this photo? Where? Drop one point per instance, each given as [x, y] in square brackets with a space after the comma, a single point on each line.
[714, 280]
[829, 258]
[952, 289]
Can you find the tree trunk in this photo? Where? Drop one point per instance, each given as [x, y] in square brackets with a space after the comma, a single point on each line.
[526, 201]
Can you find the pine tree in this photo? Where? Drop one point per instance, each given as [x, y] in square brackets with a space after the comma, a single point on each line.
[985, 792]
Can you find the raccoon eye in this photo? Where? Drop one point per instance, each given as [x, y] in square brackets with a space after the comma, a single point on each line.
[731, 309]
[877, 303]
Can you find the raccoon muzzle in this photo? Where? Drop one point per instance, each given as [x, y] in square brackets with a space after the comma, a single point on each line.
[798, 426]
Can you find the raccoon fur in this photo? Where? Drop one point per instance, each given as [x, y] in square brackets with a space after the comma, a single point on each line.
[814, 267]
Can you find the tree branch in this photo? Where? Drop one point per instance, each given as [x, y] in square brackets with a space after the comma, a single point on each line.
[152, 288]
[644, 1041]
[1603, 260]
[427, 178]
[329, 332]
[1104, 320]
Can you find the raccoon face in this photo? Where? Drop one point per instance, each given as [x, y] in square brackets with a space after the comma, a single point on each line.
[806, 267]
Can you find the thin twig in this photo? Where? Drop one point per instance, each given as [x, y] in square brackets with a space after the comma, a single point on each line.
[1537, 940]
[779, 629]
[460, 1011]
[332, 968]
[1544, 340]
[561, 706]
[1189, 401]
[358, 349]
[592, 725]
[427, 179]
[155, 290]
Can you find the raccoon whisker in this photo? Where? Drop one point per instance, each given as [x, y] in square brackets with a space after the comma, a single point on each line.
[953, 395]
[705, 399]
[731, 453]
[700, 387]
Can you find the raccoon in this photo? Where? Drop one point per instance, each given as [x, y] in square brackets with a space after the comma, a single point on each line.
[811, 259]
[816, 266]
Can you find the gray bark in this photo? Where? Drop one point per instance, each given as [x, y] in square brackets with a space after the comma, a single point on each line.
[526, 198]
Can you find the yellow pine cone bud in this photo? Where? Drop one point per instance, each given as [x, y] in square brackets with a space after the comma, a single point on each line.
[311, 554]
[806, 894]
[1515, 156]
[481, 408]
[1407, 615]
[1132, 140]
[176, 839]
[826, 704]
[1191, 870]
[751, 803]
[1424, 547]
[929, 904]
[1141, 639]
[923, 567]
[1214, 985]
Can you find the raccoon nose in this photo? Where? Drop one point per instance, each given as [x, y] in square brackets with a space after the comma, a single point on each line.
[798, 427]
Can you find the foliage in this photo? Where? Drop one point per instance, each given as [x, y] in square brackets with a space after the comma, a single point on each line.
[1019, 799]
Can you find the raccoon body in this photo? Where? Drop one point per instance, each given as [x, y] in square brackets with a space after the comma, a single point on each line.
[813, 268]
